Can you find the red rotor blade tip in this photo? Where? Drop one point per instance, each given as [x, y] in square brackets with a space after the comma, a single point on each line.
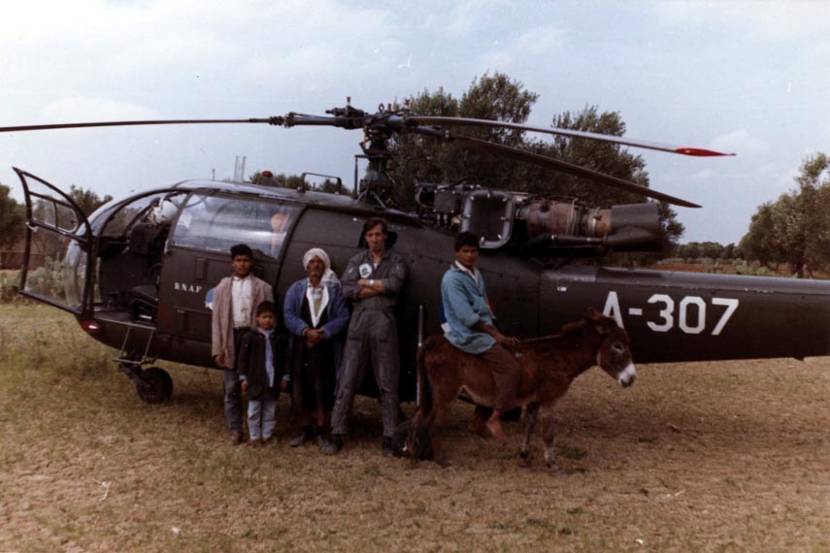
[700, 152]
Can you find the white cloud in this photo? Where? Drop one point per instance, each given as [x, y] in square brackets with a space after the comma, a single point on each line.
[766, 169]
[538, 45]
[463, 18]
[702, 175]
[766, 20]
[739, 142]
[95, 109]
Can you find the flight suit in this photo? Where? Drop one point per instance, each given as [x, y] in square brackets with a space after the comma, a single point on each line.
[372, 338]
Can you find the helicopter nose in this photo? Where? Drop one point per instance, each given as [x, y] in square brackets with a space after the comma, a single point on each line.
[628, 375]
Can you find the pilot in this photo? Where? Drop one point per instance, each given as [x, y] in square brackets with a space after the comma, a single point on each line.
[316, 316]
[372, 281]
[234, 300]
[469, 326]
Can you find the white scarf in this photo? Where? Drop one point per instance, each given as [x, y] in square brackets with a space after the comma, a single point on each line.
[324, 301]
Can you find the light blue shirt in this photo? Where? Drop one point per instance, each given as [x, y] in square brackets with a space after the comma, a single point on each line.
[464, 298]
[269, 356]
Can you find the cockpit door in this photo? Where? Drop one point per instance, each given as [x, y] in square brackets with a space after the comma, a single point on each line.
[56, 264]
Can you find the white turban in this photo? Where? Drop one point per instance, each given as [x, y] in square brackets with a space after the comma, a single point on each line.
[328, 274]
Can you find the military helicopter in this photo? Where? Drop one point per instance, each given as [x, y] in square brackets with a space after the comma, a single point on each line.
[136, 272]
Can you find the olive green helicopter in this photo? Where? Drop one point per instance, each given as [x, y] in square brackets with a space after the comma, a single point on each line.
[137, 273]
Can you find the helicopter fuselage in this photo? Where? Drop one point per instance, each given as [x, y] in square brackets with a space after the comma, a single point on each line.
[142, 281]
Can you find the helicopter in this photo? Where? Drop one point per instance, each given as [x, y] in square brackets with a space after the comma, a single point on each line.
[137, 272]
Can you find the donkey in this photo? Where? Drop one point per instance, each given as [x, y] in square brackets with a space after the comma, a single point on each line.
[548, 366]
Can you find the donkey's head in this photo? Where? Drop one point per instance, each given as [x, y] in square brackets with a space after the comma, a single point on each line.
[614, 354]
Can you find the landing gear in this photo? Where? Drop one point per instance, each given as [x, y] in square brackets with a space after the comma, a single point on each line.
[153, 385]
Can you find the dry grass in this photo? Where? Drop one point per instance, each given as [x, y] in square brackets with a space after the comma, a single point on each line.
[703, 457]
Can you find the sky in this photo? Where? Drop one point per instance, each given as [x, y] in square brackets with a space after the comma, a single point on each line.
[744, 77]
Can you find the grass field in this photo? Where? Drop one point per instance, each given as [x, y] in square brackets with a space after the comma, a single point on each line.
[698, 457]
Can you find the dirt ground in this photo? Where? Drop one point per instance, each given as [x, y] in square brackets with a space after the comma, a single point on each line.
[696, 457]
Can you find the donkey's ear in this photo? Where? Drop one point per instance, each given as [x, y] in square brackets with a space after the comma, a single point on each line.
[593, 314]
[596, 320]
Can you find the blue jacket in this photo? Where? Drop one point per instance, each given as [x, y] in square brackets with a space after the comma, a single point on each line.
[337, 311]
[465, 304]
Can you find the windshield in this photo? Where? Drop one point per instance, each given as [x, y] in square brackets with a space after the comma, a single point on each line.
[218, 222]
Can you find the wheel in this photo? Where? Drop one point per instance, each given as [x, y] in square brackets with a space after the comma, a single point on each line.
[155, 385]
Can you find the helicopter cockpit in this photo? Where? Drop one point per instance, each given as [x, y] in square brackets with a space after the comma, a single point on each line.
[130, 253]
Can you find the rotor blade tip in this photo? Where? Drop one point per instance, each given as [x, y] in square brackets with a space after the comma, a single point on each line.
[700, 152]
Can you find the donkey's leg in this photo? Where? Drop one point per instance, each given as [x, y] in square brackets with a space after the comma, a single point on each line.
[442, 397]
[478, 424]
[435, 422]
[531, 416]
[548, 431]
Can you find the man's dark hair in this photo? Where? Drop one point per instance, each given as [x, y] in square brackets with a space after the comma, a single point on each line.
[467, 238]
[265, 307]
[373, 222]
[242, 249]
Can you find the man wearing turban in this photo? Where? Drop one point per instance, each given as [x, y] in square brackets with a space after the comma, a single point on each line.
[316, 316]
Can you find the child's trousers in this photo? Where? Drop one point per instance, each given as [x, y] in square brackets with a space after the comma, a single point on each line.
[262, 418]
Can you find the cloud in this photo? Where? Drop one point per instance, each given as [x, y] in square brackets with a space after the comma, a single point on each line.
[702, 175]
[464, 18]
[95, 109]
[766, 20]
[740, 142]
[538, 43]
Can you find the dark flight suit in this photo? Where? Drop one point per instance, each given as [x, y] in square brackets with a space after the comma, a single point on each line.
[372, 337]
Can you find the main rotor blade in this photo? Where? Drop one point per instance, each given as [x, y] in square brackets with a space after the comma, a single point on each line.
[269, 120]
[468, 122]
[570, 168]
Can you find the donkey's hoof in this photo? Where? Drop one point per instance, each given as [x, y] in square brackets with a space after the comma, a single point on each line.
[524, 459]
[554, 467]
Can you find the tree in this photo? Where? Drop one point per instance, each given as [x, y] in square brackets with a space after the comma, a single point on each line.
[87, 200]
[814, 184]
[795, 229]
[12, 216]
[760, 243]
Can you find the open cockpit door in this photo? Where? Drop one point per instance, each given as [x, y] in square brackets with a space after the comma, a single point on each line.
[57, 267]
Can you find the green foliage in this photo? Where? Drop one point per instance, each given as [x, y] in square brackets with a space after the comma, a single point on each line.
[712, 250]
[48, 280]
[795, 228]
[8, 287]
[294, 182]
[12, 216]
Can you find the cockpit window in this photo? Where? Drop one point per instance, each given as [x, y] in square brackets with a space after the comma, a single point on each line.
[218, 222]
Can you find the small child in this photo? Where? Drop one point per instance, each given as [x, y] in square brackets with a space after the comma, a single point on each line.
[260, 375]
